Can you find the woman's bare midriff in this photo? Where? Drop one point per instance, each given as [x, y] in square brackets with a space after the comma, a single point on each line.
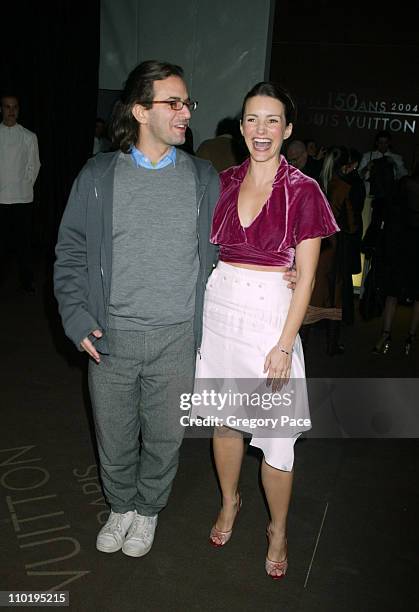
[259, 268]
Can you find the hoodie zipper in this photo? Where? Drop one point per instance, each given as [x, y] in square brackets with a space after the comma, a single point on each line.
[197, 224]
[102, 274]
[199, 252]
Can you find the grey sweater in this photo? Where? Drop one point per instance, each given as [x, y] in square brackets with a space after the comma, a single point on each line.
[155, 247]
[83, 266]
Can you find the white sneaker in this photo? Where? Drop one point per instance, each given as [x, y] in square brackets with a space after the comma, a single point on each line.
[140, 536]
[112, 534]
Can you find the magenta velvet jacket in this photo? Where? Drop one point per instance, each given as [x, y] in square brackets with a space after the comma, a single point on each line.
[296, 210]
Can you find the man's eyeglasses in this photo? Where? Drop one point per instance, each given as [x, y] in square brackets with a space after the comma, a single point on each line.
[177, 105]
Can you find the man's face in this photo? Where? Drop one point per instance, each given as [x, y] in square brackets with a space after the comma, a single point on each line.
[297, 156]
[383, 144]
[161, 126]
[99, 129]
[10, 110]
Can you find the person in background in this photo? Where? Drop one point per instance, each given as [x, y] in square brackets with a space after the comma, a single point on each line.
[313, 150]
[19, 167]
[101, 142]
[352, 238]
[297, 156]
[401, 244]
[332, 298]
[382, 148]
[358, 191]
[381, 170]
[222, 150]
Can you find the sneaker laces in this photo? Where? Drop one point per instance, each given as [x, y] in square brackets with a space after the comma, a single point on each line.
[142, 527]
[113, 523]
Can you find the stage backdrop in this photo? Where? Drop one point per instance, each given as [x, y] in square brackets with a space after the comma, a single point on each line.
[224, 48]
[353, 69]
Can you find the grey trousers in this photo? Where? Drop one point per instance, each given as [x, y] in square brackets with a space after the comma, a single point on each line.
[135, 393]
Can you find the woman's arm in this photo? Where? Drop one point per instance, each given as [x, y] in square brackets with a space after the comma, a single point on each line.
[306, 258]
[278, 360]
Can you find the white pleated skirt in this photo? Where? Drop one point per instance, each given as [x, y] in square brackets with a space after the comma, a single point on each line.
[244, 313]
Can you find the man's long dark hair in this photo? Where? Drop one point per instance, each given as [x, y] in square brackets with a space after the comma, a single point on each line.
[138, 89]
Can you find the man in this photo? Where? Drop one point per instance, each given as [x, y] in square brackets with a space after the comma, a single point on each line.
[222, 151]
[382, 149]
[381, 170]
[133, 258]
[19, 167]
[100, 141]
[297, 156]
[313, 150]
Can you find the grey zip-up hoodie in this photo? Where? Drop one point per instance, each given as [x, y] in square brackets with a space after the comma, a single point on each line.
[83, 266]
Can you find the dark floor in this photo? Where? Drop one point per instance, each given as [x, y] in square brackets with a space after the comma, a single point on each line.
[353, 533]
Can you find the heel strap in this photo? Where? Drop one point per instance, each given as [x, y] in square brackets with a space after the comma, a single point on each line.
[276, 566]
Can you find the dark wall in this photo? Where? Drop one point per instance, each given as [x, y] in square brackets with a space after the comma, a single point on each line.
[105, 102]
[353, 70]
[50, 59]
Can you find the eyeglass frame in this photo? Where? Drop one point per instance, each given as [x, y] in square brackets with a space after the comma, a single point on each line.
[191, 104]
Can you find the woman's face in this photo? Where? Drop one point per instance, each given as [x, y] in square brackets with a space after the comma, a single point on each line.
[264, 127]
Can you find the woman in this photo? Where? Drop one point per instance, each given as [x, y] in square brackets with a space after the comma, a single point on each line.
[401, 243]
[332, 298]
[268, 215]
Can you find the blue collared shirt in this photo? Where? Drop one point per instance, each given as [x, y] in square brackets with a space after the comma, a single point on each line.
[141, 160]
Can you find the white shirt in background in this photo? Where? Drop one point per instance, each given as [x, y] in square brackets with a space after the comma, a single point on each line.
[399, 167]
[19, 164]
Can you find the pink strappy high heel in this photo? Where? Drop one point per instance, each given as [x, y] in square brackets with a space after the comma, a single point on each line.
[274, 567]
[220, 538]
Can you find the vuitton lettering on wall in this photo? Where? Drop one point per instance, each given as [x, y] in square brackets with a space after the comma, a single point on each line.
[354, 111]
[38, 521]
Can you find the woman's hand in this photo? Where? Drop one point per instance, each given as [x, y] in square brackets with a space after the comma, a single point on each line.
[278, 366]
